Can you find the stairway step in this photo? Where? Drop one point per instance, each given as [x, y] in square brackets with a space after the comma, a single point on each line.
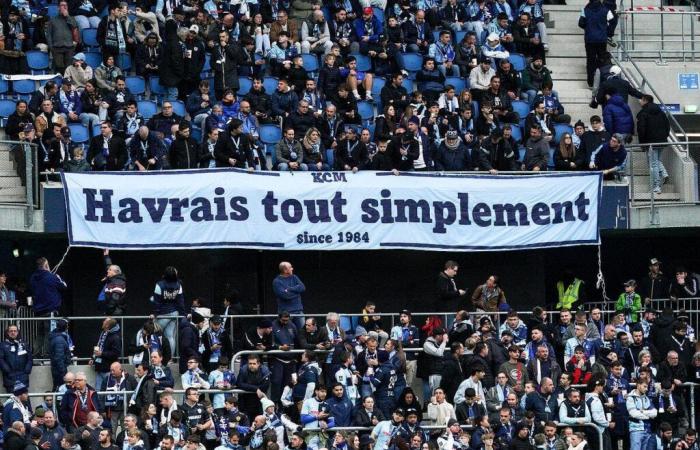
[14, 181]
[6, 164]
[664, 196]
[13, 198]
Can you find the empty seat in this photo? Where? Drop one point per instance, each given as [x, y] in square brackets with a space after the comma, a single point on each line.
[412, 62]
[90, 37]
[79, 133]
[137, 85]
[37, 61]
[364, 64]
[244, 85]
[147, 108]
[179, 108]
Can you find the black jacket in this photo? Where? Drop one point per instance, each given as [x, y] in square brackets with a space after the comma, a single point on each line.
[195, 63]
[652, 124]
[499, 156]
[226, 149]
[111, 349]
[116, 158]
[452, 375]
[619, 86]
[381, 161]
[115, 292]
[403, 162]
[144, 56]
[353, 154]
[396, 96]
[259, 101]
[224, 64]
[172, 68]
[189, 342]
[300, 122]
[183, 153]
[224, 341]
[361, 418]
[328, 134]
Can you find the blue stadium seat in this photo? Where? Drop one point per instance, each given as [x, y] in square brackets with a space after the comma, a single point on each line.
[457, 82]
[522, 108]
[206, 69]
[412, 62]
[330, 159]
[517, 132]
[124, 62]
[78, 133]
[37, 61]
[156, 89]
[270, 134]
[137, 86]
[345, 324]
[244, 85]
[4, 88]
[459, 36]
[518, 61]
[370, 127]
[90, 37]
[96, 129]
[93, 59]
[7, 107]
[196, 133]
[364, 64]
[270, 84]
[408, 84]
[559, 130]
[436, 35]
[52, 10]
[179, 108]
[24, 88]
[310, 62]
[377, 85]
[378, 13]
[147, 108]
[366, 111]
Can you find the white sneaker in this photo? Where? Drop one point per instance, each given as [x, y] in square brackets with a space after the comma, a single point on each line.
[657, 190]
[368, 96]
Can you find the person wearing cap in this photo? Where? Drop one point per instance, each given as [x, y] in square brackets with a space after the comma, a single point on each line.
[629, 302]
[616, 84]
[610, 157]
[16, 42]
[78, 72]
[368, 28]
[183, 150]
[493, 48]
[17, 408]
[259, 337]
[16, 363]
[654, 285]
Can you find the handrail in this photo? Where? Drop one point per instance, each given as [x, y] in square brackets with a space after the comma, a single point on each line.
[31, 178]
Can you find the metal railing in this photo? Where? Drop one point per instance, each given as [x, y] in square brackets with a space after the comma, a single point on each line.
[29, 330]
[668, 34]
[31, 177]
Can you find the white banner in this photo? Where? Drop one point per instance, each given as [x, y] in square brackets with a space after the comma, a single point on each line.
[331, 210]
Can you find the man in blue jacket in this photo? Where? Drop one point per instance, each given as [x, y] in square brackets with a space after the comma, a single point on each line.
[340, 405]
[15, 359]
[368, 28]
[288, 289]
[47, 288]
[595, 19]
[617, 116]
[610, 157]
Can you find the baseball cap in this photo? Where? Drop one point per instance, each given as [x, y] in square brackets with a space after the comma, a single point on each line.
[451, 135]
[194, 29]
[368, 10]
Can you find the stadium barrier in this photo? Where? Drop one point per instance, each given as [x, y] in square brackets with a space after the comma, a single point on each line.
[27, 323]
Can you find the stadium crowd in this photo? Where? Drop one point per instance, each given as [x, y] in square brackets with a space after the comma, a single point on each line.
[483, 381]
[316, 85]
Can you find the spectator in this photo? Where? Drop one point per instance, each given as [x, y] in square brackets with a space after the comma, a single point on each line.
[15, 41]
[73, 414]
[594, 20]
[60, 349]
[536, 149]
[615, 84]
[18, 120]
[567, 157]
[573, 410]
[617, 117]
[107, 151]
[641, 413]
[131, 120]
[254, 379]
[610, 157]
[188, 338]
[535, 76]
[440, 412]
[62, 35]
[653, 127]
[47, 288]
[526, 36]
[235, 150]
[480, 78]
[47, 119]
[15, 436]
[146, 151]
[15, 359]
[78, 72]
[149, 55]
[107, 350]
[117, 380]
[552, 105]
[172, 68]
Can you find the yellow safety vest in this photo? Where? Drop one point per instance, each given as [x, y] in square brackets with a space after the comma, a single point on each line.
[568, 296]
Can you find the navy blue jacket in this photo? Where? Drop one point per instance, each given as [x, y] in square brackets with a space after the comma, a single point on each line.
[168, 298]
[341, 410]
[594, 21]
[449, 160]
[59, 351]
[15, 362]
[617, 116]
[189, 343]
[537, 402]
[47, 288]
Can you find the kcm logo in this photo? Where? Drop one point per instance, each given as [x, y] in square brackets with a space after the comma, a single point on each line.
[329, 177]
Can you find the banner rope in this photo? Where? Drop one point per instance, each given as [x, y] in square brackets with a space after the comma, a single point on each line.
[600, 283]
[55, 269]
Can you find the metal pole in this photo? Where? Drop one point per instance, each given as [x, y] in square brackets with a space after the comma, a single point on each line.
[692, 39]
[692, 406]
[121, 324]
[29, 185]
